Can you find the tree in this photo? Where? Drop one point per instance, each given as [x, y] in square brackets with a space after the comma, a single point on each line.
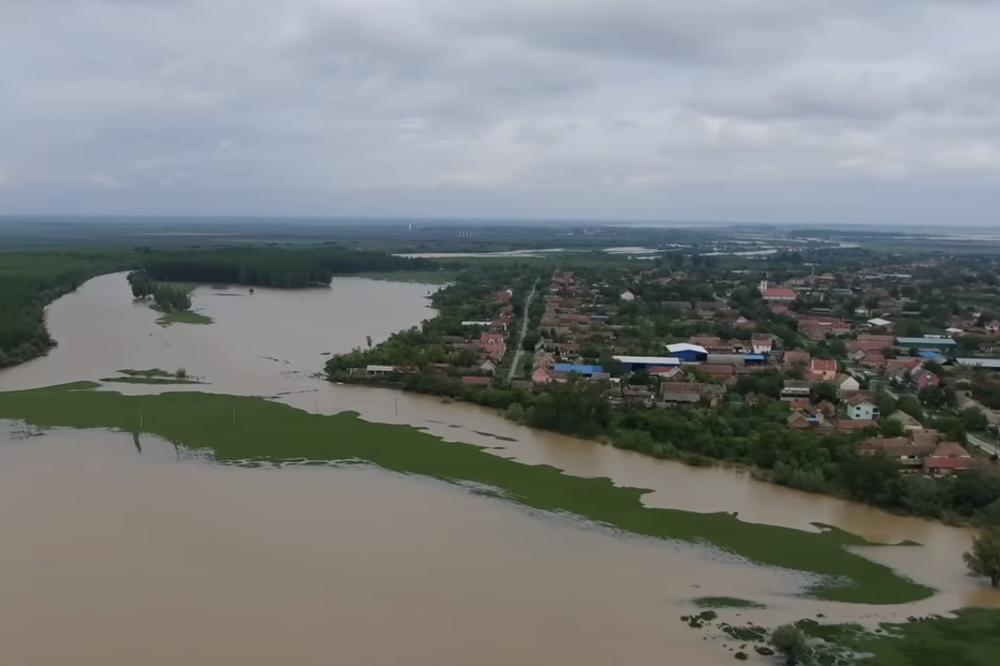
[984, 558]
[824, 391]
[891, 428]
[973, 419]
[791, 642]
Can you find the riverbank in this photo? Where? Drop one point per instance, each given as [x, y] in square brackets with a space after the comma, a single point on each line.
[254, 431]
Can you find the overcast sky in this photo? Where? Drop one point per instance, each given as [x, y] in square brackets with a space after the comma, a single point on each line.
[815, 111]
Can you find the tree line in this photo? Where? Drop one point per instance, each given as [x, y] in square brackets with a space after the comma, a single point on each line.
[273, 267]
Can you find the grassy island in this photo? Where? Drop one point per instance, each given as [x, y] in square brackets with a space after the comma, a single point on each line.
[246, 430]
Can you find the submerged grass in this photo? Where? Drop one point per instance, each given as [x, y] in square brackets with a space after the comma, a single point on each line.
[726, 602]
[971, 638]
[253, 429]
[182, 317]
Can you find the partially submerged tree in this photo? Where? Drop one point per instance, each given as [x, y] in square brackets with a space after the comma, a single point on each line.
[984, 558]
[791, 642]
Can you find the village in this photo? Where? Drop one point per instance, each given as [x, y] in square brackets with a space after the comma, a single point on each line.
[884, 355]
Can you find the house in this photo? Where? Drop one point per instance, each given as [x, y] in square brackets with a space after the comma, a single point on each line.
[948, 457]
[804, 418]
[927, 342]
[627, 296]
[493, 346]
[665, 373]
[687, 352]
[636, 396]
[823, 370]
[847, 425]
[907, 453]
[862, 408]
[878, 322]
[542, 375]
[689, 393]
[795, 388]
[795, 357]
[488, 367]
[779, 294]
[761, 343]
[924, 378]
[577, 369]
[846, 385]
[476, 380]
[778, 309]
[908, 422]
[379, 370]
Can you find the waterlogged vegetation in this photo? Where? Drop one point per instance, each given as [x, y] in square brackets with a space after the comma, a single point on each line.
[154, 376]
[249, 430]
[183, 317]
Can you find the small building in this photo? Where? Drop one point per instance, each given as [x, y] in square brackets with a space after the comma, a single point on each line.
[636, 396]
[680, 393]
[627, 296]
[687, 352]
[795, 388]
[379, 370]
[923, 378]
[542, 376]
[846, 385]
[476, 380]
[761, 343]
[907, 453]
[823, 369]
[795, 357]
[862, 408]
[927, 343]
[947, 458]
[577, 369]
[779, 294]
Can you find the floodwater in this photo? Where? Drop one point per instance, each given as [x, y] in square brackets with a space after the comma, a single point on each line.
[229, 564]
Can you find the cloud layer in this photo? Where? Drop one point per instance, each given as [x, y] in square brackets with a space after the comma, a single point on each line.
[782, 110]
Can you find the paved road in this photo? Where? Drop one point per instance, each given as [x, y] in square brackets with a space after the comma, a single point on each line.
[986, 446]
[524, 331]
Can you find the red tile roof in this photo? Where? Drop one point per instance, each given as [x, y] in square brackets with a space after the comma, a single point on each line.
[780, 292]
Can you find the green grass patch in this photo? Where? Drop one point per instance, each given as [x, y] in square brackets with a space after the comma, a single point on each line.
[247, 429]
[182, 317]
[972, 638]
[148, 380]
[726, 602]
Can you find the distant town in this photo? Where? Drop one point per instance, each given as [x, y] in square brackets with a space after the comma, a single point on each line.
[897, 357]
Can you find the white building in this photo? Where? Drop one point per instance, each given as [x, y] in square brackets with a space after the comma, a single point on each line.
[861, 408]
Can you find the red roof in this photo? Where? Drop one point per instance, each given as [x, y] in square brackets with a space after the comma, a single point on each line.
[824, 365]
[476, 381]
[948, 463]
[950, 450]
[780, 292]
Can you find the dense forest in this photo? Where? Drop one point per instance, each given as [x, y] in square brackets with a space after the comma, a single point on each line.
[273, 267]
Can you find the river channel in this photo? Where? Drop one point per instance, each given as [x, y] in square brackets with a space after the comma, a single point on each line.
[155, 556]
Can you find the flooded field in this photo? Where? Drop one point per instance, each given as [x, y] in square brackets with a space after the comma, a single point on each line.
[284, 572]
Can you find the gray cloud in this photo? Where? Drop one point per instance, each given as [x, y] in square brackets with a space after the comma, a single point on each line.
[654, 109]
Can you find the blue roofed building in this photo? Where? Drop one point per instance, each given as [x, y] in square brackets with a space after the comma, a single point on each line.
[646, 363]
[577, 369]
[687, 352]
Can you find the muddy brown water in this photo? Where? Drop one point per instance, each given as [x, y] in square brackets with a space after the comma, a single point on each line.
[155, 558]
